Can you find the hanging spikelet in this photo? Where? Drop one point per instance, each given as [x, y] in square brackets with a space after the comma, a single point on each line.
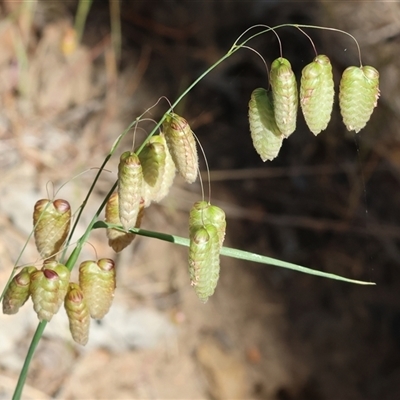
[52, 221]
[48, 289]
[97, 281]
[284, 91]
[117, 240]
[78, 314]
[316, 93]
[17, 292]
[203, 213]
[358, 96]
[204, 260]
[182, 146]
[152, 158]
[265, 134]
[130, 187]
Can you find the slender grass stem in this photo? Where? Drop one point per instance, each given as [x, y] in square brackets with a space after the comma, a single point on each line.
[24, 371]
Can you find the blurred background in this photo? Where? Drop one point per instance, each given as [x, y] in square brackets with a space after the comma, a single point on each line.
[69, 86]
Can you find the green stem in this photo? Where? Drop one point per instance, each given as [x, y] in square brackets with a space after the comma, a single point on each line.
[24, 371]
[228, 54]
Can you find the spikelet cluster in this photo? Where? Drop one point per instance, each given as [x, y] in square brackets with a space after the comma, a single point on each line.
[148, 176]
[316, 93]
[50, 287]
[97, 281]
[182, 146]
[265, 134]
[358, 96]
[51, 221]
[273, 119]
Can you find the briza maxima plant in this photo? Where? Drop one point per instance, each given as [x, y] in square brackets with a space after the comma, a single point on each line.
[145, 176]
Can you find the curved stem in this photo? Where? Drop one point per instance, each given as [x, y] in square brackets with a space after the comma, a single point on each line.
[228, 54]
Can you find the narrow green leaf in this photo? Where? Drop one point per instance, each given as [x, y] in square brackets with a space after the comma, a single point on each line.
[240, 254]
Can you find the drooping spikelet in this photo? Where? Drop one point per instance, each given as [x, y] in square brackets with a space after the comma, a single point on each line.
[316, 93]
[265, 134]
[97, 281]
[17, 292]
[117, 240]
[52, 221]
[130, 188]
[203, 213]
[204, 260]
[48, 289]
[152, 158]
[182, 146]
[284, 91]
[78, 314]
[358, 96]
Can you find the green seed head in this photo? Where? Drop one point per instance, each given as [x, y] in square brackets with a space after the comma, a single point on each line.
[78, 314]
[182, 146]
[316, 93]
[284, 91]
[48, 289]
[153, 159]
[130, 188]
[52, 221]
[17, 292]
[97, 281]
[204, 251]
[265, 134]
[358, 96]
